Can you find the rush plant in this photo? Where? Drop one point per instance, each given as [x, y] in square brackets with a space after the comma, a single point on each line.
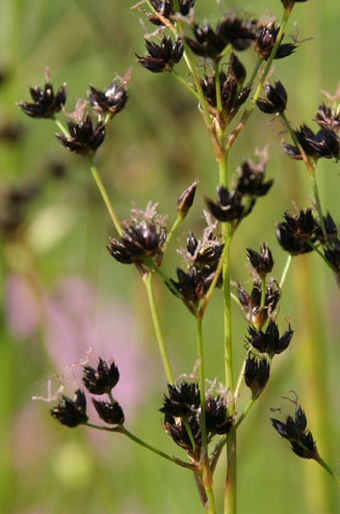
[200, 413]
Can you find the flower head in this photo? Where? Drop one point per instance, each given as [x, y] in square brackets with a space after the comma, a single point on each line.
[112, 100]
[295, 430]
[228, 206]
[262, 262]
[256, 373]
[165, 8]
[110, 412]
[276, 99]
[84, 138]
[186, 199]
[45, 102]
[297, 234]
[182, 417]
[325, 143]
[251, 180]
[257, 314]
[183, 400]
[265, 40]
[71, 412]
[101, 380]
[142, 239]
[162, 57]
[231, 30]
[328, 117]
[270, 341]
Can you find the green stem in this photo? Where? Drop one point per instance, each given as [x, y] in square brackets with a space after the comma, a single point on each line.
[177, 223]
[105, 196]
[230, 487]
[122, 430]
[60, 126]
[317, 200]
[147, 279]
[200, 355]
[245, 411]
[285, 270]
[324, 465]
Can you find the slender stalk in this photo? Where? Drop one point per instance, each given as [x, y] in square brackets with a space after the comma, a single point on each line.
[230, 486]
[285, 270]
[122, 430]
[200, 356]
[147, 279]
[105, 196]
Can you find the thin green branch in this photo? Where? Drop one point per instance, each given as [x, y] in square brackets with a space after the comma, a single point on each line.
[120, 429]
[105, 196]
[147, 279]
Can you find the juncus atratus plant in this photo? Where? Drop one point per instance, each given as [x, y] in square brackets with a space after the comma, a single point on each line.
[208, 59]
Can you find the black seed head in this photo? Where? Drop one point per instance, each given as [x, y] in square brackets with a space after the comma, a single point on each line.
[112, 100]
[45, 102]
[256, 374]
[276, 99]
[101, 380]
[71, 412]
[183, 400]
[84, 138]
[163, 57]
[262, 262]
[111, 413]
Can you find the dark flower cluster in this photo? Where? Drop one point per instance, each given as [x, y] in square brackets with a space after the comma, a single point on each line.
[186, 199]
[210, 43]
[45, 103]
[142, 239]
[166, 9]
[255, 309]
[295, 430]
[110, 101]
[193, 283]
[161, 57]
[71, 412]
[303, 233]
[233, 95]
[276, 99]
[182, 417]
[261, 303]
[233, 206]
[98, 381]
[85, 134]
[322, 144]
[262, 262]
[266, 36]
[256, 373]
[325, 143]
[270, 341]
[298, 234]
[84, 138]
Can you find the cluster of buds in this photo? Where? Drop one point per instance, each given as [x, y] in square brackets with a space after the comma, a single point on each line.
[142, 240]
[264, 340]
[233, 206]
[203, 258]
[87, 124]
[182, 411]
[265, 294]
[322, 144]
[295, 430]
[304, 233]
[222, 88]
[97, 381]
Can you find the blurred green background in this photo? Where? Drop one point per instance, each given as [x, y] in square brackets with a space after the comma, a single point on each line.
[62, 294]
